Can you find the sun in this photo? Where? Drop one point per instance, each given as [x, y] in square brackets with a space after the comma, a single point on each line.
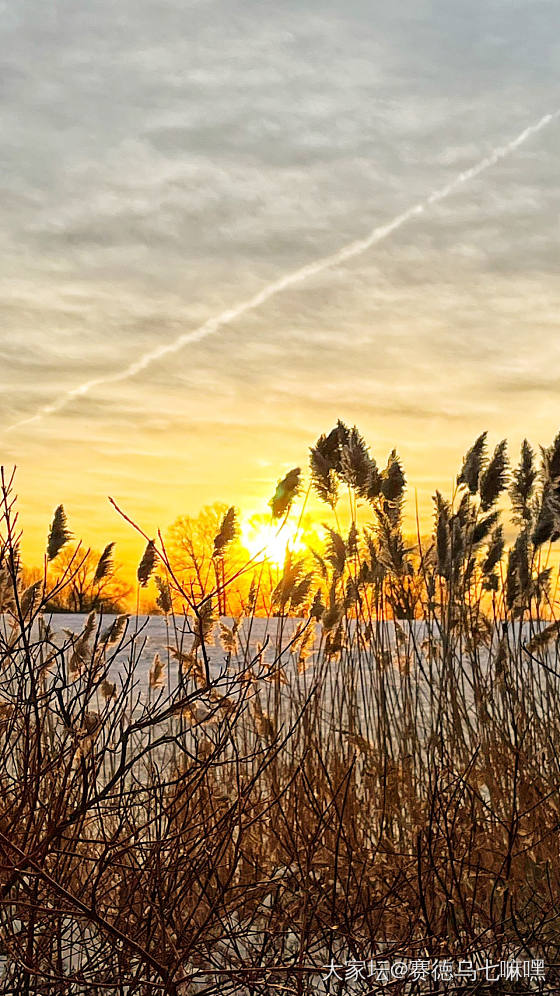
[267, 540]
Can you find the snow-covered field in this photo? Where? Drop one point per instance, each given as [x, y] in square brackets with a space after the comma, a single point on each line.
[406, 654]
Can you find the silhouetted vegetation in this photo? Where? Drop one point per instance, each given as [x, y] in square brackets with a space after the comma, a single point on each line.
[378, 775]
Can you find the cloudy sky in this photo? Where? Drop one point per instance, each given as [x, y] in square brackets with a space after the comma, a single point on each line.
[164, 160]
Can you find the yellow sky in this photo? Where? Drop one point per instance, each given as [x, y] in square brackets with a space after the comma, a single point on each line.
[168, 174]
[159, 476]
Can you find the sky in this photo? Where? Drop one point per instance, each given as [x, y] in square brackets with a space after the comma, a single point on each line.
[164, 160]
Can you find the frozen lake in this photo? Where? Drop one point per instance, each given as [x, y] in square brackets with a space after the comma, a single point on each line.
[401, 656]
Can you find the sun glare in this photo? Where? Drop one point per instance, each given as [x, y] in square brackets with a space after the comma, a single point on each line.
[267, 540]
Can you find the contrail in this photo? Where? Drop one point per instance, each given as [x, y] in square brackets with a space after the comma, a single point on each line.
[290, 279]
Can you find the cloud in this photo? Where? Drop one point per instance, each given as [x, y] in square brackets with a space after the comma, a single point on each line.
[292, 278]
[166, 159]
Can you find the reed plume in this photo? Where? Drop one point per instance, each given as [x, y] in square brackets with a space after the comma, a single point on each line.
[157, 676]
[473, 464]
[522, 486]
[226, 533]
[147, 564]
[494, 477]
[105, 564]
[164, 599]
[59, 534]
[287, 489]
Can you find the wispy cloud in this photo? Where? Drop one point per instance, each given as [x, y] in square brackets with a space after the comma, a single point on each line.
[293, 278]
[164, 159]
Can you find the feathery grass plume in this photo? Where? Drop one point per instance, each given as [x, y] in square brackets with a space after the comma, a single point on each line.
[157, 676]
[374, 571]
[294, 585]
[88, 732]
[357, 468]
[163, 600]
[305, 647]
[301, 592]
[30, 597]
[7, 596]
[333, 611]
[109, 689]
[352, 593]
[92, 722]
[352, 541]
[204, 624]
[228, 637]
[335, 551]
[224, 703]
[252, 597]
[473, 464]
[551, 461]
[461, 526]
[522, 487]
[374, 483]
[89, 628]
[443, 535]
[336, 439]
[391, 549]
[323, 569]
[545, 524]
[541, 584]
[196, 716]
[494, 477]
[105, 564]
[483, 527]
[494, 554]
[494, 550]
[465, 513]
[81, 645]
[59, 534]
[147, 564]
[518, 578]
[187, 661]
[458, 543]
[226, 533]
[317, 608]
[323, 477]
[286, 491]
[325, 463]
[392, 479]
[468, 569]
[546, 636]
[548, 516]
[334, 643]
[114, 632]
[393, 484]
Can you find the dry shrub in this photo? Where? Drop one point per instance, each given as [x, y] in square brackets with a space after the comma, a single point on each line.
[383, 777]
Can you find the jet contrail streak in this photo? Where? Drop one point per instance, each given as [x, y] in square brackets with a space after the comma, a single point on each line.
[290, 279]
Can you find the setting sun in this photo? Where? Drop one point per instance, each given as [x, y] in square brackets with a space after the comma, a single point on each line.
[263, 538]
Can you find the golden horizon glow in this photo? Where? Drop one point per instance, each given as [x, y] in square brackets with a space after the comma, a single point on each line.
[270, 540]
[171, 302]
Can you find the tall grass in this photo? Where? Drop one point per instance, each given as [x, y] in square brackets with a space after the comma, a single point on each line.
[379, 775]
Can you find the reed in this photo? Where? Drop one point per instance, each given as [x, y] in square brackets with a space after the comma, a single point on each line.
[371, 770]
